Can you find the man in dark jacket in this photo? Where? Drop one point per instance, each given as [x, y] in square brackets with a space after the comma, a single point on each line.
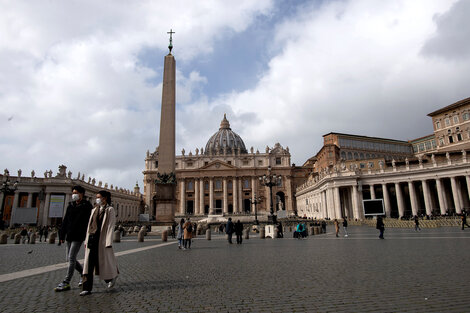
[73, 232]
[229, 230]
[380, 226]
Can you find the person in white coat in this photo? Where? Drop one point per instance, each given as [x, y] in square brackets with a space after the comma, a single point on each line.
[99, 254]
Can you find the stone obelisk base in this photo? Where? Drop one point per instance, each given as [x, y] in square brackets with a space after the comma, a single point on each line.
[165, 204]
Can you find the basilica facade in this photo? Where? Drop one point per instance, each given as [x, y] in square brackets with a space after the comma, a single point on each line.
[223, 178]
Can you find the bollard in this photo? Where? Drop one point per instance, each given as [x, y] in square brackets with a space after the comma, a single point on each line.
[261, 233]
[52, 237]
[117, 236]
[3, 239]
[208, 234]
[165, 236]
[140, 236]
[316, 230]
[246, 233]
[310, 231]
[290, 229]
[12, 236]
[17, 239]
[32, 239]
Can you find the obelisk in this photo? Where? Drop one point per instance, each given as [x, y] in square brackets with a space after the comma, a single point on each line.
[166, 183]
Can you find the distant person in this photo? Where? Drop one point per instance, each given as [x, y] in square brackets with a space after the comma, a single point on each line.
[417, 228]
[336, 227]
[464, 220]
[180, 234]
[188, 234]
[99, 254]
[221, 228]
[41, 233]
[345, 227]
[323, 226]
[229, 230]
[46, 232]
[239, 232]
[380, 226]
[280, 233]
[173, 229]
[73, 233]
[24, 234]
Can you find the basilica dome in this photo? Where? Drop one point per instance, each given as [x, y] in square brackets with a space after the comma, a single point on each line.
[225, 141]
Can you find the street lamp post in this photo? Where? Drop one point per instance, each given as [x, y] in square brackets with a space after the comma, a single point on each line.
[6, 188]
[270, 180]
[255, 201]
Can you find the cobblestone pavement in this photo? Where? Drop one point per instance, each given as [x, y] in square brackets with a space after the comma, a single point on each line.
[409, 271]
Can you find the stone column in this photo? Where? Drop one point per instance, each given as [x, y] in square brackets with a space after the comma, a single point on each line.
[201, 196]
[440, 195]
[337, 204]
[197, 209]
[413, 200]
[14, 206]
[29, 203]
[45, 213]
[253, 190]
[386, 196]
[324, 204]
[211, 194]
[290, 196]
[401, 206]
[426, 195]
[182, 196]
[467, 178]
[240, 195]
[235, 194]
[66, 204]
[372, 191]
[330, 203]
[455, 194]
[2, 198]
[225, 193]
[355, 202]
[268, 199]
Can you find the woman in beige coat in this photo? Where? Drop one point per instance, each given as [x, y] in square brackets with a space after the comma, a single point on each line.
[188, 234]
[99, 254]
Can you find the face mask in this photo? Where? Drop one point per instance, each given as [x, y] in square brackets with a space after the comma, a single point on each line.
[75, 197]
[98, 201]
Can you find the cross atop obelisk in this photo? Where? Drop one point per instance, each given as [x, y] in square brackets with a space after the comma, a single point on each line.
[171, 32]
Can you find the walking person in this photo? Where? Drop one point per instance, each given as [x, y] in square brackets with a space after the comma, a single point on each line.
[380, 226]
[336, 227]
[41, 233]
[417, 228]
[99, 254]
[229, 230]
[46, 232]
[188, 234]
[173, 228]
[73, 232]
[464, 220]
[179, 236]
[280, 233]
[239, 232]
[24, 235]
[323, 226]
[345, 227]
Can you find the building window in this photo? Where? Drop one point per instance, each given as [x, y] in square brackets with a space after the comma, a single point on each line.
[451, 139]
[447, 121]
[229, 162]
[459, 137]
[421, 146]
[190, 185]
[433, 143]
[343, 155]
[438, 125]
[441, 142]
[246, 184]
[456, 119]
[350, 156]
[362, 165]
[465, 116]
[245, 163]
[428, 145]
[218, 184]
[156, 164]
[356, 156]
[206, 185]
[260, 162]
[206, 163]
[229, 185]
[278, 161]
[415, 148]
[362, 156]
[190, 164]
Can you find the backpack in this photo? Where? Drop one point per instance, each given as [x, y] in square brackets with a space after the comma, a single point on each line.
[189, 228]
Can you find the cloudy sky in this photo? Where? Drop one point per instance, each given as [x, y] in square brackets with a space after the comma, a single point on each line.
[80, 81]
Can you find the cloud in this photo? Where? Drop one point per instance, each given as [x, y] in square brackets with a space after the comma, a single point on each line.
[451, 38]
[71, 78]
[347, 66]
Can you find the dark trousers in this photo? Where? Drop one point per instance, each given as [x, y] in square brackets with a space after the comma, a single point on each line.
[187, 242]
[239, 238]
[381, 236]
[229, 235]
[92, 264]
